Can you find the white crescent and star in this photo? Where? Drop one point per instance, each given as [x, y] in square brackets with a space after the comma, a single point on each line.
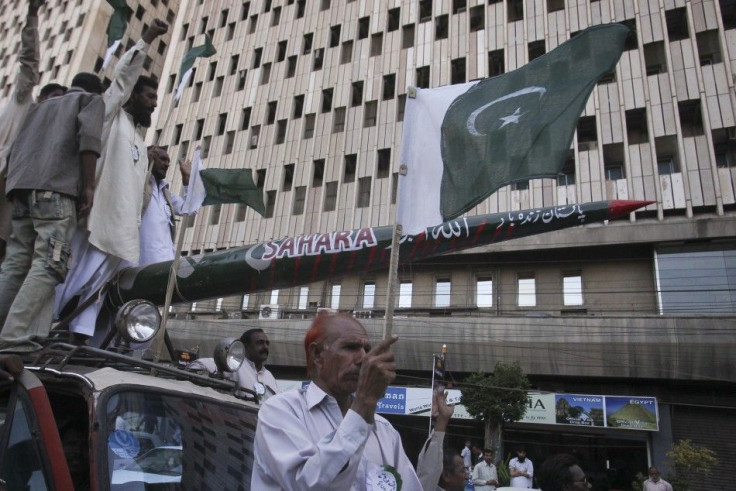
[506, 120]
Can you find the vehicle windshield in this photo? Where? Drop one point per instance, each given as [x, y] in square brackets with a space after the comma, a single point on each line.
[177, 441]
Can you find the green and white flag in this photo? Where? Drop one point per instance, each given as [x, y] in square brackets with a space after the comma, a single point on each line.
[185, 72]
[463, 142]
[219, 186]
[116, 28]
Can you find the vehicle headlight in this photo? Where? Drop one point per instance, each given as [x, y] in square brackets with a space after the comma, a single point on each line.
[138, 321]
[229, 354]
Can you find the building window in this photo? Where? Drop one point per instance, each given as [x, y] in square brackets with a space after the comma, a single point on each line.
[457, 71]
[245, 119]
[271, 112]
[218, 304]
[369, 294]
[221, 123]
[364, 192]
[536, 49]
[335, 36]
[572, 290]
[555, 5]
[335, 296]
[229, 142]
[350, 164]
[298, 107]
[370, 114]
[425, 10]
[244, 302]
[346, 52]
[290, 66]
[423, 77]
[274, 299]
[288, 177]
[357, 94]
[240, 212]
[677, 29]
[515, 10]
[405, 290]
[255, 133]
[484, 292]
[527, 291]
[376, 44]
[654, 58]
[257, 54]
[303, 298]
[442, 293]
[265, 73]
[281, 51]
[309, 126]
[215, 214]
[477, 18]
[327, 100]
[407, 36]
[441, 27]
[394, 18]
[330, 196]
[389, 86]
[319, 57]
[459, 6]
[280, 131]
[338, 121]
[636, 126]
[318, 173]
[691, 121]
[614, 171]
[300, 194]
[383, 163]
[566, 177]
[363, 27]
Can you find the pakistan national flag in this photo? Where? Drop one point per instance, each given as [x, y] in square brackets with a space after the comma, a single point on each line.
[116, 28]
[187, 63]
[463, 142]
[219, 186]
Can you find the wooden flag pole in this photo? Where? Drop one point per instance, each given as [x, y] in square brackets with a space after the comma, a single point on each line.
[393, 269]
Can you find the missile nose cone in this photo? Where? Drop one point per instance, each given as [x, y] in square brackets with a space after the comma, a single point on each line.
[618, 208]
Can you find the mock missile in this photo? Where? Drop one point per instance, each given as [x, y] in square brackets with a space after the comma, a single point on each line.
[294, 261]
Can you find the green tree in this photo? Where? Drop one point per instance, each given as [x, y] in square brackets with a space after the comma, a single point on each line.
[495, 399]
[691, 464]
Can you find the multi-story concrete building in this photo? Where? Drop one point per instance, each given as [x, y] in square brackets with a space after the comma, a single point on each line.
[311, 96]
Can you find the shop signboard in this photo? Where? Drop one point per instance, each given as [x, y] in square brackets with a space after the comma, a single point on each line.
[599, 411]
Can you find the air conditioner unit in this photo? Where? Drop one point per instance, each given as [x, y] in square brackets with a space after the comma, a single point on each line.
[269, 312]
[363, 314]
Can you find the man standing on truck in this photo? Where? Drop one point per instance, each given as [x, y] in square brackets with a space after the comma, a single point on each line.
[111, 233]
[48, 185]
[328, 435]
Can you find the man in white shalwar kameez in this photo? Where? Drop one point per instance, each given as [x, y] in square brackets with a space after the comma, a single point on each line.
[111, 235]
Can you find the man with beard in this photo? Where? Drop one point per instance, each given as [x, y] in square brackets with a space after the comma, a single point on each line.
[111, 233]
[327, 435]
[521, 470]
[252, 374]
[159, 207]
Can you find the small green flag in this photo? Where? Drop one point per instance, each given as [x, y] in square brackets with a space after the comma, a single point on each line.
[116, 27]
[232, 186]
[205, 51]
[119, 21]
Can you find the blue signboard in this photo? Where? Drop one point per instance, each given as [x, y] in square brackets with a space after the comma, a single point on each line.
[393, 402]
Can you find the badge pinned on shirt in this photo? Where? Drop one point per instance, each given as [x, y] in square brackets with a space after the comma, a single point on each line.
[384, 478]
[260, 389]
[134, 151]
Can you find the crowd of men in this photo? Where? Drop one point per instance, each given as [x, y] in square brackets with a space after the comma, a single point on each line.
[83, 195]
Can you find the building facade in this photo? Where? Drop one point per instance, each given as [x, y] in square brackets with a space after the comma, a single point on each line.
[310, 95]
